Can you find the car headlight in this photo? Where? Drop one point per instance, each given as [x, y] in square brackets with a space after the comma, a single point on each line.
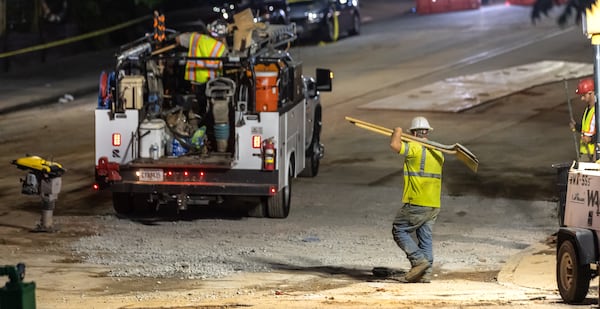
[314, 17]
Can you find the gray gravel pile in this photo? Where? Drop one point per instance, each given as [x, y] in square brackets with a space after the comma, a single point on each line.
[353, 232]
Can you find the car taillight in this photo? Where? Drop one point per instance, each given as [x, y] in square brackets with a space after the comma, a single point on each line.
[116, 139]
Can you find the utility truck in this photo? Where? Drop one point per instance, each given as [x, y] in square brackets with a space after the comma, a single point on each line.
[247, 133]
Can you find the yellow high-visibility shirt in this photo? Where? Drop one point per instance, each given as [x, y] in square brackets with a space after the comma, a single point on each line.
[202, 45]
[422, 175]
[588, 128]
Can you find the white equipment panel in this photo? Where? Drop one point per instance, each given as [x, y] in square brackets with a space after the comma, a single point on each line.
[124, 124]
[583, 197]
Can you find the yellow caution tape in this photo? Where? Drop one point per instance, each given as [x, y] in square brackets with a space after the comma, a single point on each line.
[73, 39]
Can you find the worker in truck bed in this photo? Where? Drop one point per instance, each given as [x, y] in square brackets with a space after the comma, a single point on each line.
[587, 127]
[421, 199]
[210, 45]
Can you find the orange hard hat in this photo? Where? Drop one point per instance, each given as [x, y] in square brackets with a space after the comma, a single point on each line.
[585, 86]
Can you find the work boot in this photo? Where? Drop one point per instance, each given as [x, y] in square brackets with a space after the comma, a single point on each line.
[425, 279]
[416, 272]
[427, 275]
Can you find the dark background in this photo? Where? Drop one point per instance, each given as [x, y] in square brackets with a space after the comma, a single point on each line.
[26, 25]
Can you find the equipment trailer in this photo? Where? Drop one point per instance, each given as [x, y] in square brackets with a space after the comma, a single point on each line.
[246, 133]
[578, 241]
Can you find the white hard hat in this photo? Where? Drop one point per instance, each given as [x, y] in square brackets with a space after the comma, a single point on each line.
[420, 123]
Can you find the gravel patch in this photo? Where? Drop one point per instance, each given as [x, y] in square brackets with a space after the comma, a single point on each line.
[352, 232]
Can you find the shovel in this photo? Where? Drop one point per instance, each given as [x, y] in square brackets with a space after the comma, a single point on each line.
[460, 151]
[573, 120]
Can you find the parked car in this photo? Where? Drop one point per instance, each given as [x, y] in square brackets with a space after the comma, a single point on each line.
[202, 12]
[325, 19]
[271, 11]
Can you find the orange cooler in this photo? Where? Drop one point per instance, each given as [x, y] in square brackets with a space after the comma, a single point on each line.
[267, 93]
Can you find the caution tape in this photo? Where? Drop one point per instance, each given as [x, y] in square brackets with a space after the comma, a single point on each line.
[81, 37]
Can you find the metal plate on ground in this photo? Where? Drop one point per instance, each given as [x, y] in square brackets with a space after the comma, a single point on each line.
[460, 93]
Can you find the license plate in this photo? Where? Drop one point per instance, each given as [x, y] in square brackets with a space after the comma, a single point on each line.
[151, 175]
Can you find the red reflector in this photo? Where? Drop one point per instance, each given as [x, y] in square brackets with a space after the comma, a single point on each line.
[170, 173]
[256, 141]
[96, 186]
[116, 139]
[201, 174]
[273, 190]
[186, 173]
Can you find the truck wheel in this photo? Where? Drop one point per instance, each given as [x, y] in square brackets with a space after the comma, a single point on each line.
[315, 153]
[122, 203]
[278, 205]
[573, 279]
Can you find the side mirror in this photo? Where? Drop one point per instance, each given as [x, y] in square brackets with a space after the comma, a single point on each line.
[324, 79]
[311, 88]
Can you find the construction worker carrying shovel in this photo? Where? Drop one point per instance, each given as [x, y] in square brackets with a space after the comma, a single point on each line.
[423, 161]
[421, 199]
[587, 127]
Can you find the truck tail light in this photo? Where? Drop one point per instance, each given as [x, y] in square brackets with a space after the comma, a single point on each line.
[256, 141]
[184, 175]
[116, 139]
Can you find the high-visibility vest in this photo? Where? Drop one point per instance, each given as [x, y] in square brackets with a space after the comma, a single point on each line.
[422, 175]
[202, 45]
[588, 128]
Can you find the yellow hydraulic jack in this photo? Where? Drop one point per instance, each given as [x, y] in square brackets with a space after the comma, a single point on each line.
[16, 293]
[43, 178]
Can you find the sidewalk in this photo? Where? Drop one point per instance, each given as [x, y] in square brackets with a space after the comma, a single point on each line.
[46, 83]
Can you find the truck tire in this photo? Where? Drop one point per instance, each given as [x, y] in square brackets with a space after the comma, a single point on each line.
[314, 153]
[278, 205]
[122, 203]
[573, 279]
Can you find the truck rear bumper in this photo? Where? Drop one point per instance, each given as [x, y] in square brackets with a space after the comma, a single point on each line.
[224, 182]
